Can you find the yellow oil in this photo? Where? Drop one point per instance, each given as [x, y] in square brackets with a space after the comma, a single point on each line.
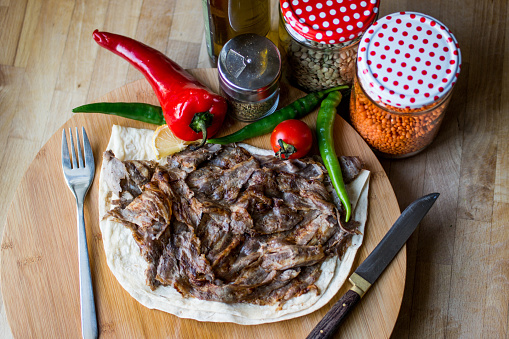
[225, 19]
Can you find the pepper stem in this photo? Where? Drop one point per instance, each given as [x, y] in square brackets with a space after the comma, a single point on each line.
[285, 150]
[201, 121]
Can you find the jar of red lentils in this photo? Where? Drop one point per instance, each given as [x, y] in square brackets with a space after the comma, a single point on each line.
[407, 66]
[318, 40]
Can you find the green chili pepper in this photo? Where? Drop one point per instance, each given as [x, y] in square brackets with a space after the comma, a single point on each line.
[324, 127]
[296, 110]
[131, 110]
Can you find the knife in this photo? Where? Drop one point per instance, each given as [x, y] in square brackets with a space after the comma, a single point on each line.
[369, 271]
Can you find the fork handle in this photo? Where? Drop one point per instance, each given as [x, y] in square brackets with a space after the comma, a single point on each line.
[88, 316]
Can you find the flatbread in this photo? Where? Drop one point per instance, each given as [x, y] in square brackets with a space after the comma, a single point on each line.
[128, 266]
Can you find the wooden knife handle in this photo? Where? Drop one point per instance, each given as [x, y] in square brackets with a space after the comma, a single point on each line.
[330, 323]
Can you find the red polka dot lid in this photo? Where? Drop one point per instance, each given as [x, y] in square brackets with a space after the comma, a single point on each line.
[408, 60]
[327, 21]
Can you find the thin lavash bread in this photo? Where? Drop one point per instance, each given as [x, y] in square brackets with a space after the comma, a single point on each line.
[128, 266]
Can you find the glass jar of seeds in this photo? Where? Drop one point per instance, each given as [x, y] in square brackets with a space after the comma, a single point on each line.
[249, 68]
[319, 40]
[407, 66]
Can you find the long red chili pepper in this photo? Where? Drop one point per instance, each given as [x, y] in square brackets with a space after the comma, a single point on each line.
[191, 110]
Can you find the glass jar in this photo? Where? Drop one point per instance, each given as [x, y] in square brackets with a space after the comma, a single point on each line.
[249, 68]
[395, 132]
[318, 41]
[407, 66]
[226, 19]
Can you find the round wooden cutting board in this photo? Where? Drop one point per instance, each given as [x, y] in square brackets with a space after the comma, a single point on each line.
[40, 263]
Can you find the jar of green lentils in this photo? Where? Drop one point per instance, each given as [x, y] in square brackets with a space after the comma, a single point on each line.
[319, 39]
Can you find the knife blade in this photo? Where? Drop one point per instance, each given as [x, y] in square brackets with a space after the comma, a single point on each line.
[374, 265]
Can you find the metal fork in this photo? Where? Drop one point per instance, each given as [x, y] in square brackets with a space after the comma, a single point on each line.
[79, 175]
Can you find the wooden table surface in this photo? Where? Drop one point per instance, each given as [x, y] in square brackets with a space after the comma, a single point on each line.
[457, 284]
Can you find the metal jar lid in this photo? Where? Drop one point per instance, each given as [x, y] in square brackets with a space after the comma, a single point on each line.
[329, 22]
[408, 60]
[249, 67]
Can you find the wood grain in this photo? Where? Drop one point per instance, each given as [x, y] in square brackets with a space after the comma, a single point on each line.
[49, 64]
[155, 36]
[40, 270]
[12, 16]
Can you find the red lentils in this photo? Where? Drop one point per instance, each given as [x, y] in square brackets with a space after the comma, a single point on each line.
[395, 132]
[407, 66]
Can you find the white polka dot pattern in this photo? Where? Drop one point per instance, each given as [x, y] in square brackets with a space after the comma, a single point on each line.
[329, 22]
[408, 60]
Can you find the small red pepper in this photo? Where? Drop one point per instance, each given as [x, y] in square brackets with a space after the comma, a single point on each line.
[190, 109]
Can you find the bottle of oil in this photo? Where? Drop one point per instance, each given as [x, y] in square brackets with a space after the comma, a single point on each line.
[226, 19]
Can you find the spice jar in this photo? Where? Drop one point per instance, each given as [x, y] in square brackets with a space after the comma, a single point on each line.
[249, 69]
[319, 40]
[407, 66]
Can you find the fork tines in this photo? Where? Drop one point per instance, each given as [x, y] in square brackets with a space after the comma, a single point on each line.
[79, 161]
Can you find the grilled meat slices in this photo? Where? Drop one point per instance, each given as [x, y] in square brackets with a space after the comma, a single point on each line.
[221, 224]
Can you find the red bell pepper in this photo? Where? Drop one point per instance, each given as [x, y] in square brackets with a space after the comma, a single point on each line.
[190, 109]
